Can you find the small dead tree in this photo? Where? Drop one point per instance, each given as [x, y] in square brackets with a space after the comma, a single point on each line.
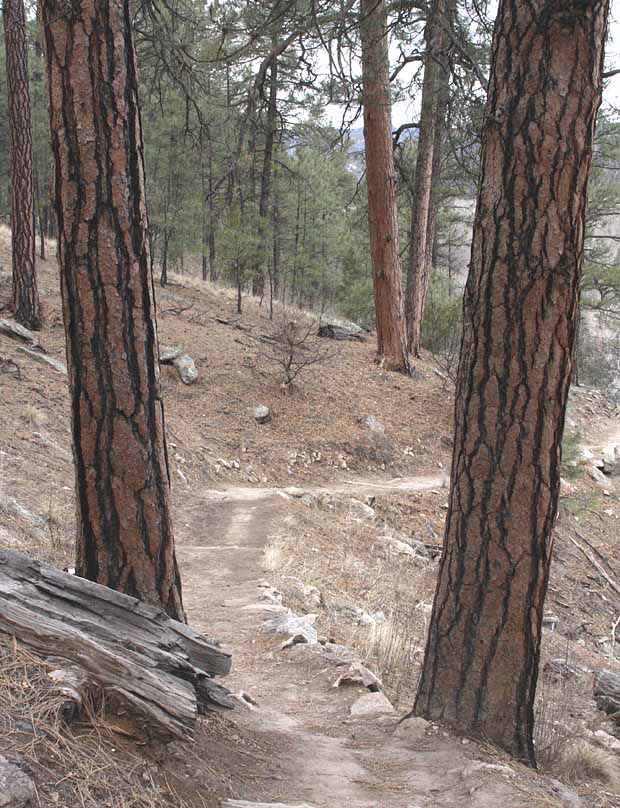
[293, 346]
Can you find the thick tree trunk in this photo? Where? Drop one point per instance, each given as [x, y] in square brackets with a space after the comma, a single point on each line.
[381, 183]
[26, 305]
[432, 119]
[520, 311]
[125, 536]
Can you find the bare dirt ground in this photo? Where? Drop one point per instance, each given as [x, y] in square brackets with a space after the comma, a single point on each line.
[237, 530]
[329, 758]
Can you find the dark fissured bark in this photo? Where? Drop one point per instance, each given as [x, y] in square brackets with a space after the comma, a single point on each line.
[26, 305]
[381, 183]
[520, 312]
[125, 537]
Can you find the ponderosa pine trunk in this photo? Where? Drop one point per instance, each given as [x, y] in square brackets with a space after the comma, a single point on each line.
[26, 304]
[125, 538]
[520, 316]
[432, 122]
[381, 184]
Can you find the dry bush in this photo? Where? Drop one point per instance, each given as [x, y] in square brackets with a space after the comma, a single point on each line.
[292, 346]
[88, 764]
[552, 734]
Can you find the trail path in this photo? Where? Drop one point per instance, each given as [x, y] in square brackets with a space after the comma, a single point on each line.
[319, 755]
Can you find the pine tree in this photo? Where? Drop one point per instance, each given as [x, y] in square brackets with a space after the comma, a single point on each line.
[381, 184]
[125, 536]
[520, 309]
[26, 305]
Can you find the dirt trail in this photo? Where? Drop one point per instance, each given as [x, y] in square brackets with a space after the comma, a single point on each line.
[320, 755]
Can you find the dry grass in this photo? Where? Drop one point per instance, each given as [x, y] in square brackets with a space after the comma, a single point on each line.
[325, 548]
[583, 763]
[87, 765]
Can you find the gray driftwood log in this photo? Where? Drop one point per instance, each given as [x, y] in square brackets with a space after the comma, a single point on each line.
[155, 670]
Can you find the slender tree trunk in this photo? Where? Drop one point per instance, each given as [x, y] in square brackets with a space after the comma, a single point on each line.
[125, 538]
[381, 183]
[432, 118]
[520, 316]
[26, 305]
[258, 281]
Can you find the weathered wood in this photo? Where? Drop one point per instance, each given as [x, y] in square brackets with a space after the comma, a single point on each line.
[607, 693]
[41, 356]
[11, 328]
[348, 331]
[143, 662]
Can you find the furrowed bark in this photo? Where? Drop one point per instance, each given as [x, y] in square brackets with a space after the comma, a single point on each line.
[520, 314]
[125, 538]
[26, 305]
[381, 183]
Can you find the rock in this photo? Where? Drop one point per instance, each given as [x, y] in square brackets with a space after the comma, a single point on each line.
[567, 797]
[186, 368]
[606, 740]
[611, 460]
[293, 491]
[597, 475]
[308, 500]
[344, 607]
[478, 767]
[411, 730]
[607, 692]
[372, 423]
[397, 547]
[16, 788]
[270, 595]
[262, 414]
[585, 455]
[293, 625]
[358, 674]
[366, 619]
[168, 353]
[371, 704]
[361, 512]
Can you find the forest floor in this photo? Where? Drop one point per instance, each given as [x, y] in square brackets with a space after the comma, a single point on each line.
[298, 513]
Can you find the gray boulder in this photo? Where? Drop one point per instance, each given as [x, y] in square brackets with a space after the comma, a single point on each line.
[371, 704]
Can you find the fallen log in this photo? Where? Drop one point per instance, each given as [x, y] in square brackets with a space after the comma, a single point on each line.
[342, 331]
[142, 663]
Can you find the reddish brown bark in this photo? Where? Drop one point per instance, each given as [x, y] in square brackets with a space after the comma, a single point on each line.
[125, 536]
[520, 315]
[432, 120]
[381, 184]
[26, 305]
